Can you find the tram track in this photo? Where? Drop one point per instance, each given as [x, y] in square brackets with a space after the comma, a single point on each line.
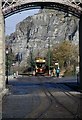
[43, 107]
[75, 99]
[54, 98]
[51, 99]
[46, 99]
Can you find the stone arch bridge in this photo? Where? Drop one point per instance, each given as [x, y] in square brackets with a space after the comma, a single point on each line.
[9, 7]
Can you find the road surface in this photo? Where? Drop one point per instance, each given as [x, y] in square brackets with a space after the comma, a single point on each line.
[42, 97]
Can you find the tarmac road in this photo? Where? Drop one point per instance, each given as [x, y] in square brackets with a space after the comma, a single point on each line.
[41, 97]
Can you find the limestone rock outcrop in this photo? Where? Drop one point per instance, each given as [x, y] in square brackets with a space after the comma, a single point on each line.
[34, 33]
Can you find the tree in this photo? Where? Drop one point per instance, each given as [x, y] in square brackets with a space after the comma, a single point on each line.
[9, 59]
[49, 58]
[66, 53]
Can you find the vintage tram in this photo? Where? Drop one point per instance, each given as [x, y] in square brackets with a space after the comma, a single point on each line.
[40, 65]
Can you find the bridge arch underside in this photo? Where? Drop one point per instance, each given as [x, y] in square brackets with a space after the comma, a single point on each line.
[8, 11]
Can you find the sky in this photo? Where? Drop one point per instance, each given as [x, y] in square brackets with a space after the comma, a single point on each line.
[11, 21]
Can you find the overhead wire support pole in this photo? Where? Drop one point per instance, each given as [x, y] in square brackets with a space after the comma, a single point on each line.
[49, 56]
[31, 58]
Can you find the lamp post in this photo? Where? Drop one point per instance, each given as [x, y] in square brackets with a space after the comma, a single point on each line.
[7, 65]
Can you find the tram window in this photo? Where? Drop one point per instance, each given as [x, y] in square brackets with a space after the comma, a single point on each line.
[40, 65]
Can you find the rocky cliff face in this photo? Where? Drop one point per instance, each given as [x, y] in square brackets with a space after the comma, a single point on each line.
[36, 32]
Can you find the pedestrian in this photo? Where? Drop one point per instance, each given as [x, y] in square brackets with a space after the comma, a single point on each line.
[57, 72]
[54, 72]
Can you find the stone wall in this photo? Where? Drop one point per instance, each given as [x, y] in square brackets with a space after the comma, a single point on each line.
[2, 51]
